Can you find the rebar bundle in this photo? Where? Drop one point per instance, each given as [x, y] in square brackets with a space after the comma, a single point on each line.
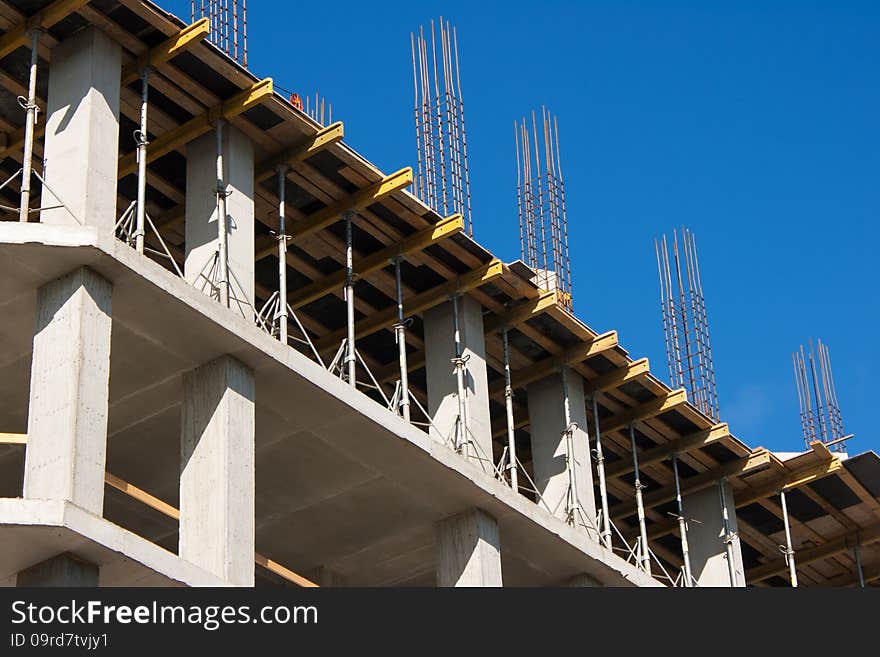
[540, 194]
[683, 307]
[820, 413]
[443, 180]
[228, 19]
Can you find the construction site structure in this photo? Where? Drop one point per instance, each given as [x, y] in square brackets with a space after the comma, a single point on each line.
[235, 352]
[228, 20]
[442, 179]
[685, 325]
[817, 397]
[540, 193]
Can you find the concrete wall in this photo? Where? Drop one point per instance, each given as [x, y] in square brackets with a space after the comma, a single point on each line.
[81, 146]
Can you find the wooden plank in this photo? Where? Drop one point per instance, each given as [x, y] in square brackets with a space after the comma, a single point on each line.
[417, 304]
[360, 199]
[452, 225]
[521, 312]
[322, 139]
[19, 35]
[649, 409]
[166, 51]
[662, 452]
[548, 366]
[13, 439]
[630, 372]
[199, 125]
[281, 571]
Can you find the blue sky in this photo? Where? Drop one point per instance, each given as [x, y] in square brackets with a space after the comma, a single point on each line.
[755, 124]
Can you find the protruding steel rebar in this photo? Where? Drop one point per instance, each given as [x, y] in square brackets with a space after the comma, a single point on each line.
[228, 20]
[821, 419]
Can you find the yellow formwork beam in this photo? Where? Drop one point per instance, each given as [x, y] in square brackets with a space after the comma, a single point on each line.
[167, 50]
[45, 18]
[13, 438]
[324, 138]
[678, 446]
[644, 411]
[368, 264]
[199, 125]
[548, 366]
[418, 303]
[616, 378]
[521, 312]
[357, 201]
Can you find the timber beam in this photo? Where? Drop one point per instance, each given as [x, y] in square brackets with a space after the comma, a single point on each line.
[18, 36]
[840, 543]
[521, 312]
[167, 50]
[616, 378]
[417, 303]
[324, 138]
[759, 459]
[745, 497]
[363, 266]
[644, 411]
[548, 366]
[361, 199]
[677, 446]
[259, 93]
[13, 439]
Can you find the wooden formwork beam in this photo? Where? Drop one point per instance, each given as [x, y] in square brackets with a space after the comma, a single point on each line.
[644, 411]
[616, 378]
[167, 50]
[324, 138]
[45, 18]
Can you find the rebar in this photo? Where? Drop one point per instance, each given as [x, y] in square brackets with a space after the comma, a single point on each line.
[820, 415]
[443, 179]
[228, 21]
[540, 196]
[685, 323]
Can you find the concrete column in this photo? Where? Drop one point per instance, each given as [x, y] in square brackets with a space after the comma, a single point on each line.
[440, 372]
[547, 427]
[63, 570]
[70, 380]
[706, 538]
[468, 550]
[217, 470]
[202, 239]
[81, 146]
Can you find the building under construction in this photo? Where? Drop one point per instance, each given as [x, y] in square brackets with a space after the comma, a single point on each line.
[234, 352]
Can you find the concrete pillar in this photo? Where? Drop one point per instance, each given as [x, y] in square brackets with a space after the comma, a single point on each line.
[81, 146]
[201, 209]
[70, 380]
[468, 550]
[63, 570]
[440, 372]
[706, 537]
[547, 428]
[217, 470]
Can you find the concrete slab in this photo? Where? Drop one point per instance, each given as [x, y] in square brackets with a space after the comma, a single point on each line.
[341, 482]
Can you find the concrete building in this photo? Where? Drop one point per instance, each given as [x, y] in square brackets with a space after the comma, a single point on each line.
[188, 399]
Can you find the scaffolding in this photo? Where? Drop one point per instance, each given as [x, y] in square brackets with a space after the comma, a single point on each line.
[543, 225]
[441, 143]
[817, 397]
[228, 19]
[686, 328]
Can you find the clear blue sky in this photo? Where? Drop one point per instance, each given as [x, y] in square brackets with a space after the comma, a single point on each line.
[755, 124]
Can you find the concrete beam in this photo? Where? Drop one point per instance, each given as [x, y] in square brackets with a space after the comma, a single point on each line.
[468, 550]
[217, 470]
[82, 132]
[70, 374]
